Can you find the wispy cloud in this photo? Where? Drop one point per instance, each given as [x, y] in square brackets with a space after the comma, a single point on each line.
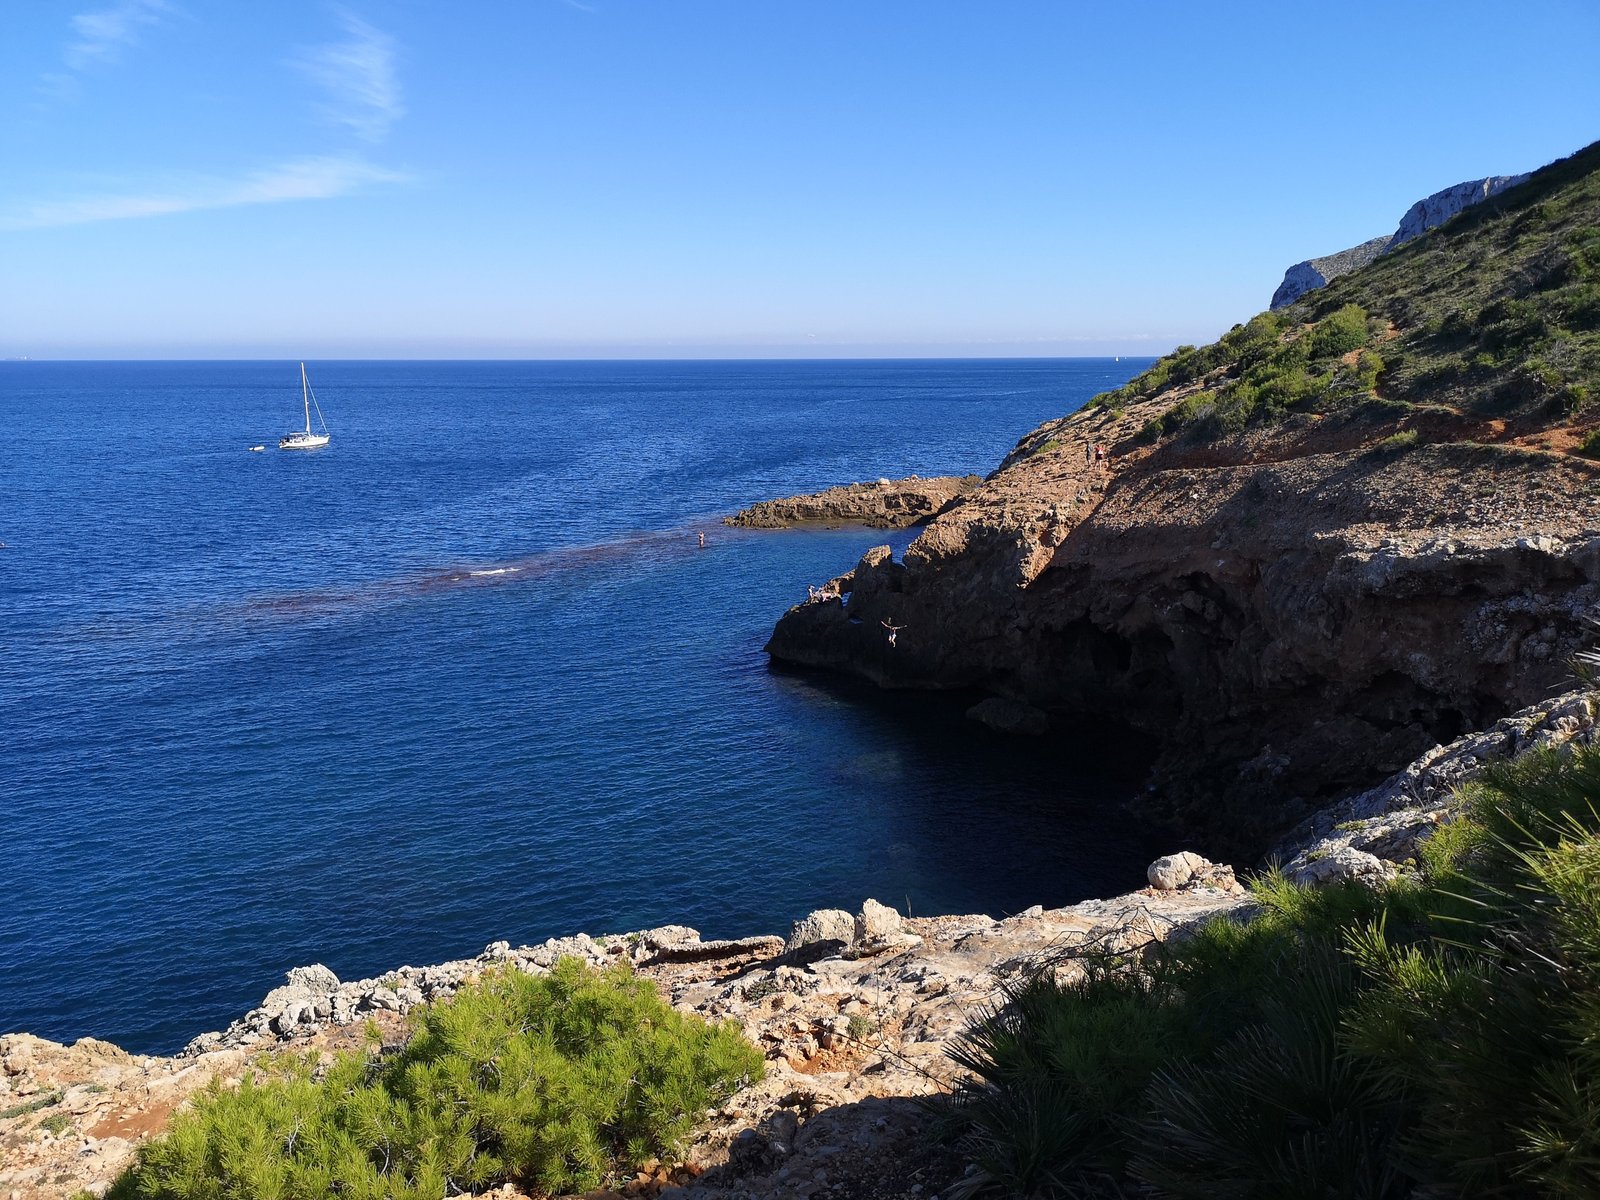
[304, 179]
[99, 37]
[103, 33]
[360, 78]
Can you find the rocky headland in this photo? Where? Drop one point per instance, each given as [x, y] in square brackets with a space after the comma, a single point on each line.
[1346, 532]
[1288, 616]
[879, 504]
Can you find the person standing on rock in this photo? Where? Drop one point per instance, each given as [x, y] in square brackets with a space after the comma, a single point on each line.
[893, 630]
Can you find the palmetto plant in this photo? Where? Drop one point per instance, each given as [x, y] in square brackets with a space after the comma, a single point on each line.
[1435, 1036]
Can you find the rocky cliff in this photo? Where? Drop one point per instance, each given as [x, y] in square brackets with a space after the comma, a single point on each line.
[1288, 619]
[1313, 273]
[1438, 208]
[1324, 544]
[1422, 216]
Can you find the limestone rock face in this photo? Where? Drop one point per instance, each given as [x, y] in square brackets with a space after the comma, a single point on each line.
[1187, 870]
[316, 978]
[1307, 276]
[1422, 216]
[1446, 203]
[1174, 870]
[823, 925]
[876, 922]
[1375, 834]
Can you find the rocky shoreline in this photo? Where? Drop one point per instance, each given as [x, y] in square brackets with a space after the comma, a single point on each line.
[855, 1011]
[879, 504]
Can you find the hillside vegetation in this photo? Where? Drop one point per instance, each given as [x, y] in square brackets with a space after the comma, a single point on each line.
[1496, 315]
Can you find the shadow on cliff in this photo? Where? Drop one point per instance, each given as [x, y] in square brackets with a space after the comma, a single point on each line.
[1038, 819]
[1303, 627]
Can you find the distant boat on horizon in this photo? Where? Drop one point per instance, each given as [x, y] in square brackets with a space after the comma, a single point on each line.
[305, 439]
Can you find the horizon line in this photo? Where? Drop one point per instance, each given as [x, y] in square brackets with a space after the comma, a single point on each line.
[23, 358]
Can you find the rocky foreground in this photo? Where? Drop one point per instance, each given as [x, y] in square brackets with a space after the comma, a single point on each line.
[881, 504]
[856, 1011]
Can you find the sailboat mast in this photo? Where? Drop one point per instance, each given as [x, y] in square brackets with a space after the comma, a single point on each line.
[305, 395]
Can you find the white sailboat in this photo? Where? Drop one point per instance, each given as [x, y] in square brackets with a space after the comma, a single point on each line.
[305, 439]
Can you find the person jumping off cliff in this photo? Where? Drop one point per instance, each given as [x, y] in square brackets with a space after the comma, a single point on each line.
[893, 630]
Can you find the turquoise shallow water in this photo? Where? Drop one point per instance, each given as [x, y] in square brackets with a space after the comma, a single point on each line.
[464, 675]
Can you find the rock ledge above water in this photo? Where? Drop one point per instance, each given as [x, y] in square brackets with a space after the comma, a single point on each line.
[883, 504]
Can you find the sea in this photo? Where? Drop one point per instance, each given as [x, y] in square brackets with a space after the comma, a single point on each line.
[466, 674]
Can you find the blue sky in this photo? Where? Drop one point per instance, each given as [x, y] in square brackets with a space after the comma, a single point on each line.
[731, 178]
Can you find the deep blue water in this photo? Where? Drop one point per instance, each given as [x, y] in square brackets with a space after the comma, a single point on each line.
[464, 675]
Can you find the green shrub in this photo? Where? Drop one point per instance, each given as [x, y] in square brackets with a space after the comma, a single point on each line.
[1058, 1069]
[862, 1027]
[56, 1123]
[1368, 367]
[1340, 332]
[1395, 443]
[28, 1106]
[1493, 1024]
[1590, 446]
[549, 1083]
[1432, 1037]
[1279, 1109]
[1580, 307]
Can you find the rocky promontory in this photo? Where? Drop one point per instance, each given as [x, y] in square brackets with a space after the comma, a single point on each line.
[1335, 538]
[880, 504]
[1286, 626]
